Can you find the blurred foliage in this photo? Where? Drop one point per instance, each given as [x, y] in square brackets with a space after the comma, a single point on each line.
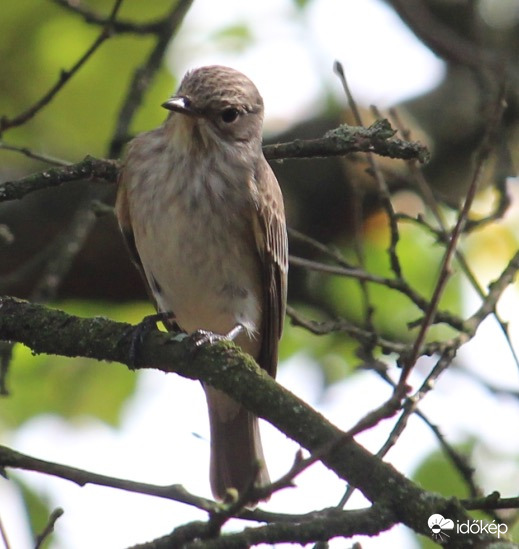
[393, 311]
[235, 37]
[335, 353]
[40, 39]
[437, 474]
[70, 387]
[37, 507]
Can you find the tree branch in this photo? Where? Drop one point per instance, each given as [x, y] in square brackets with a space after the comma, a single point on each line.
[226, 368]
[340, 141]
[331, 523]
[17, 460]
[119, 26]
[377, 138]
[89, 168]
[64, 77]
[143, 75]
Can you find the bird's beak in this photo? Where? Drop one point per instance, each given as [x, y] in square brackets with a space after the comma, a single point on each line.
[180, 104]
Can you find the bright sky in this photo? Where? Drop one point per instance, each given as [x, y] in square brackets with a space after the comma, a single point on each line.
[292, 66]
[292, 56]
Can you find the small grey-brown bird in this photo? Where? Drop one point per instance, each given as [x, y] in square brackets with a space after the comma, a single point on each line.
[203, 216]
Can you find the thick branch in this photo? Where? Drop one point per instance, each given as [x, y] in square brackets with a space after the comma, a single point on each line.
[331, 524]
[89, 168]
[226, 368]
[377, 138]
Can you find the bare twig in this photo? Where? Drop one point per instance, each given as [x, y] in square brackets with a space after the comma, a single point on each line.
[457, 459]
[143, 75]
[33, 154]
[492, 501]
[331, 523]
[13, 459]
[119, 26]
[107, 170]
[67, 246]
[6, 354]
[379, 178]
[332, 253]
[3, 535]
[431, 202]
[395, 284]
[484, 153]
[65, 75]
[49, 527]
[342, 326]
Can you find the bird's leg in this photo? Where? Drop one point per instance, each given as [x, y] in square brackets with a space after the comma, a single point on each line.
[235, 332]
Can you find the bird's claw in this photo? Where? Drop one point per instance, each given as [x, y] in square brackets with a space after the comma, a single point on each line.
[139, 331]
[204, 337]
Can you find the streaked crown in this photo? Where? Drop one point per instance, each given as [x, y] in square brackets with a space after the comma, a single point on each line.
[215, 87]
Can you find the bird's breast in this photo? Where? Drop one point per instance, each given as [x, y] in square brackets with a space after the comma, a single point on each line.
[195, 239]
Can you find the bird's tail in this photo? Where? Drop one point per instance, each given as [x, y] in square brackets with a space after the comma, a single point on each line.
[236, 453]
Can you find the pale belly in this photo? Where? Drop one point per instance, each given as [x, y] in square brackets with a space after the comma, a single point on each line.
[205, 269]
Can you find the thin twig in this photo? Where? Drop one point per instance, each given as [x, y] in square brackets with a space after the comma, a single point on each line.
[14, 459]
[493, 501]
[6, 355]
[49, 527]
[143, 75]
[68, 244]
[431, 202]
[26, 151]
[65, 75]
[119, 26]
[3, 535]
[458, 460]
[332, 253]
[444, 275]
[395, 284]
[379, 178]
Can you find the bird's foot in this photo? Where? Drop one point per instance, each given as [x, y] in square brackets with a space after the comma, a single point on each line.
[139, 331]
[204, 337]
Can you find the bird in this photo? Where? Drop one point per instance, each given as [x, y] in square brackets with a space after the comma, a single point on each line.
[203, 217]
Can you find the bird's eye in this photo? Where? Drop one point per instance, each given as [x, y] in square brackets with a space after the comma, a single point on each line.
[229, 115]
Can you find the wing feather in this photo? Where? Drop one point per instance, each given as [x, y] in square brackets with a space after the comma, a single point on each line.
[272, 245]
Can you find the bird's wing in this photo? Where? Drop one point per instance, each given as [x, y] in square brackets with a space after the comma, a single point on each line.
[272, 245]
[122, 212]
